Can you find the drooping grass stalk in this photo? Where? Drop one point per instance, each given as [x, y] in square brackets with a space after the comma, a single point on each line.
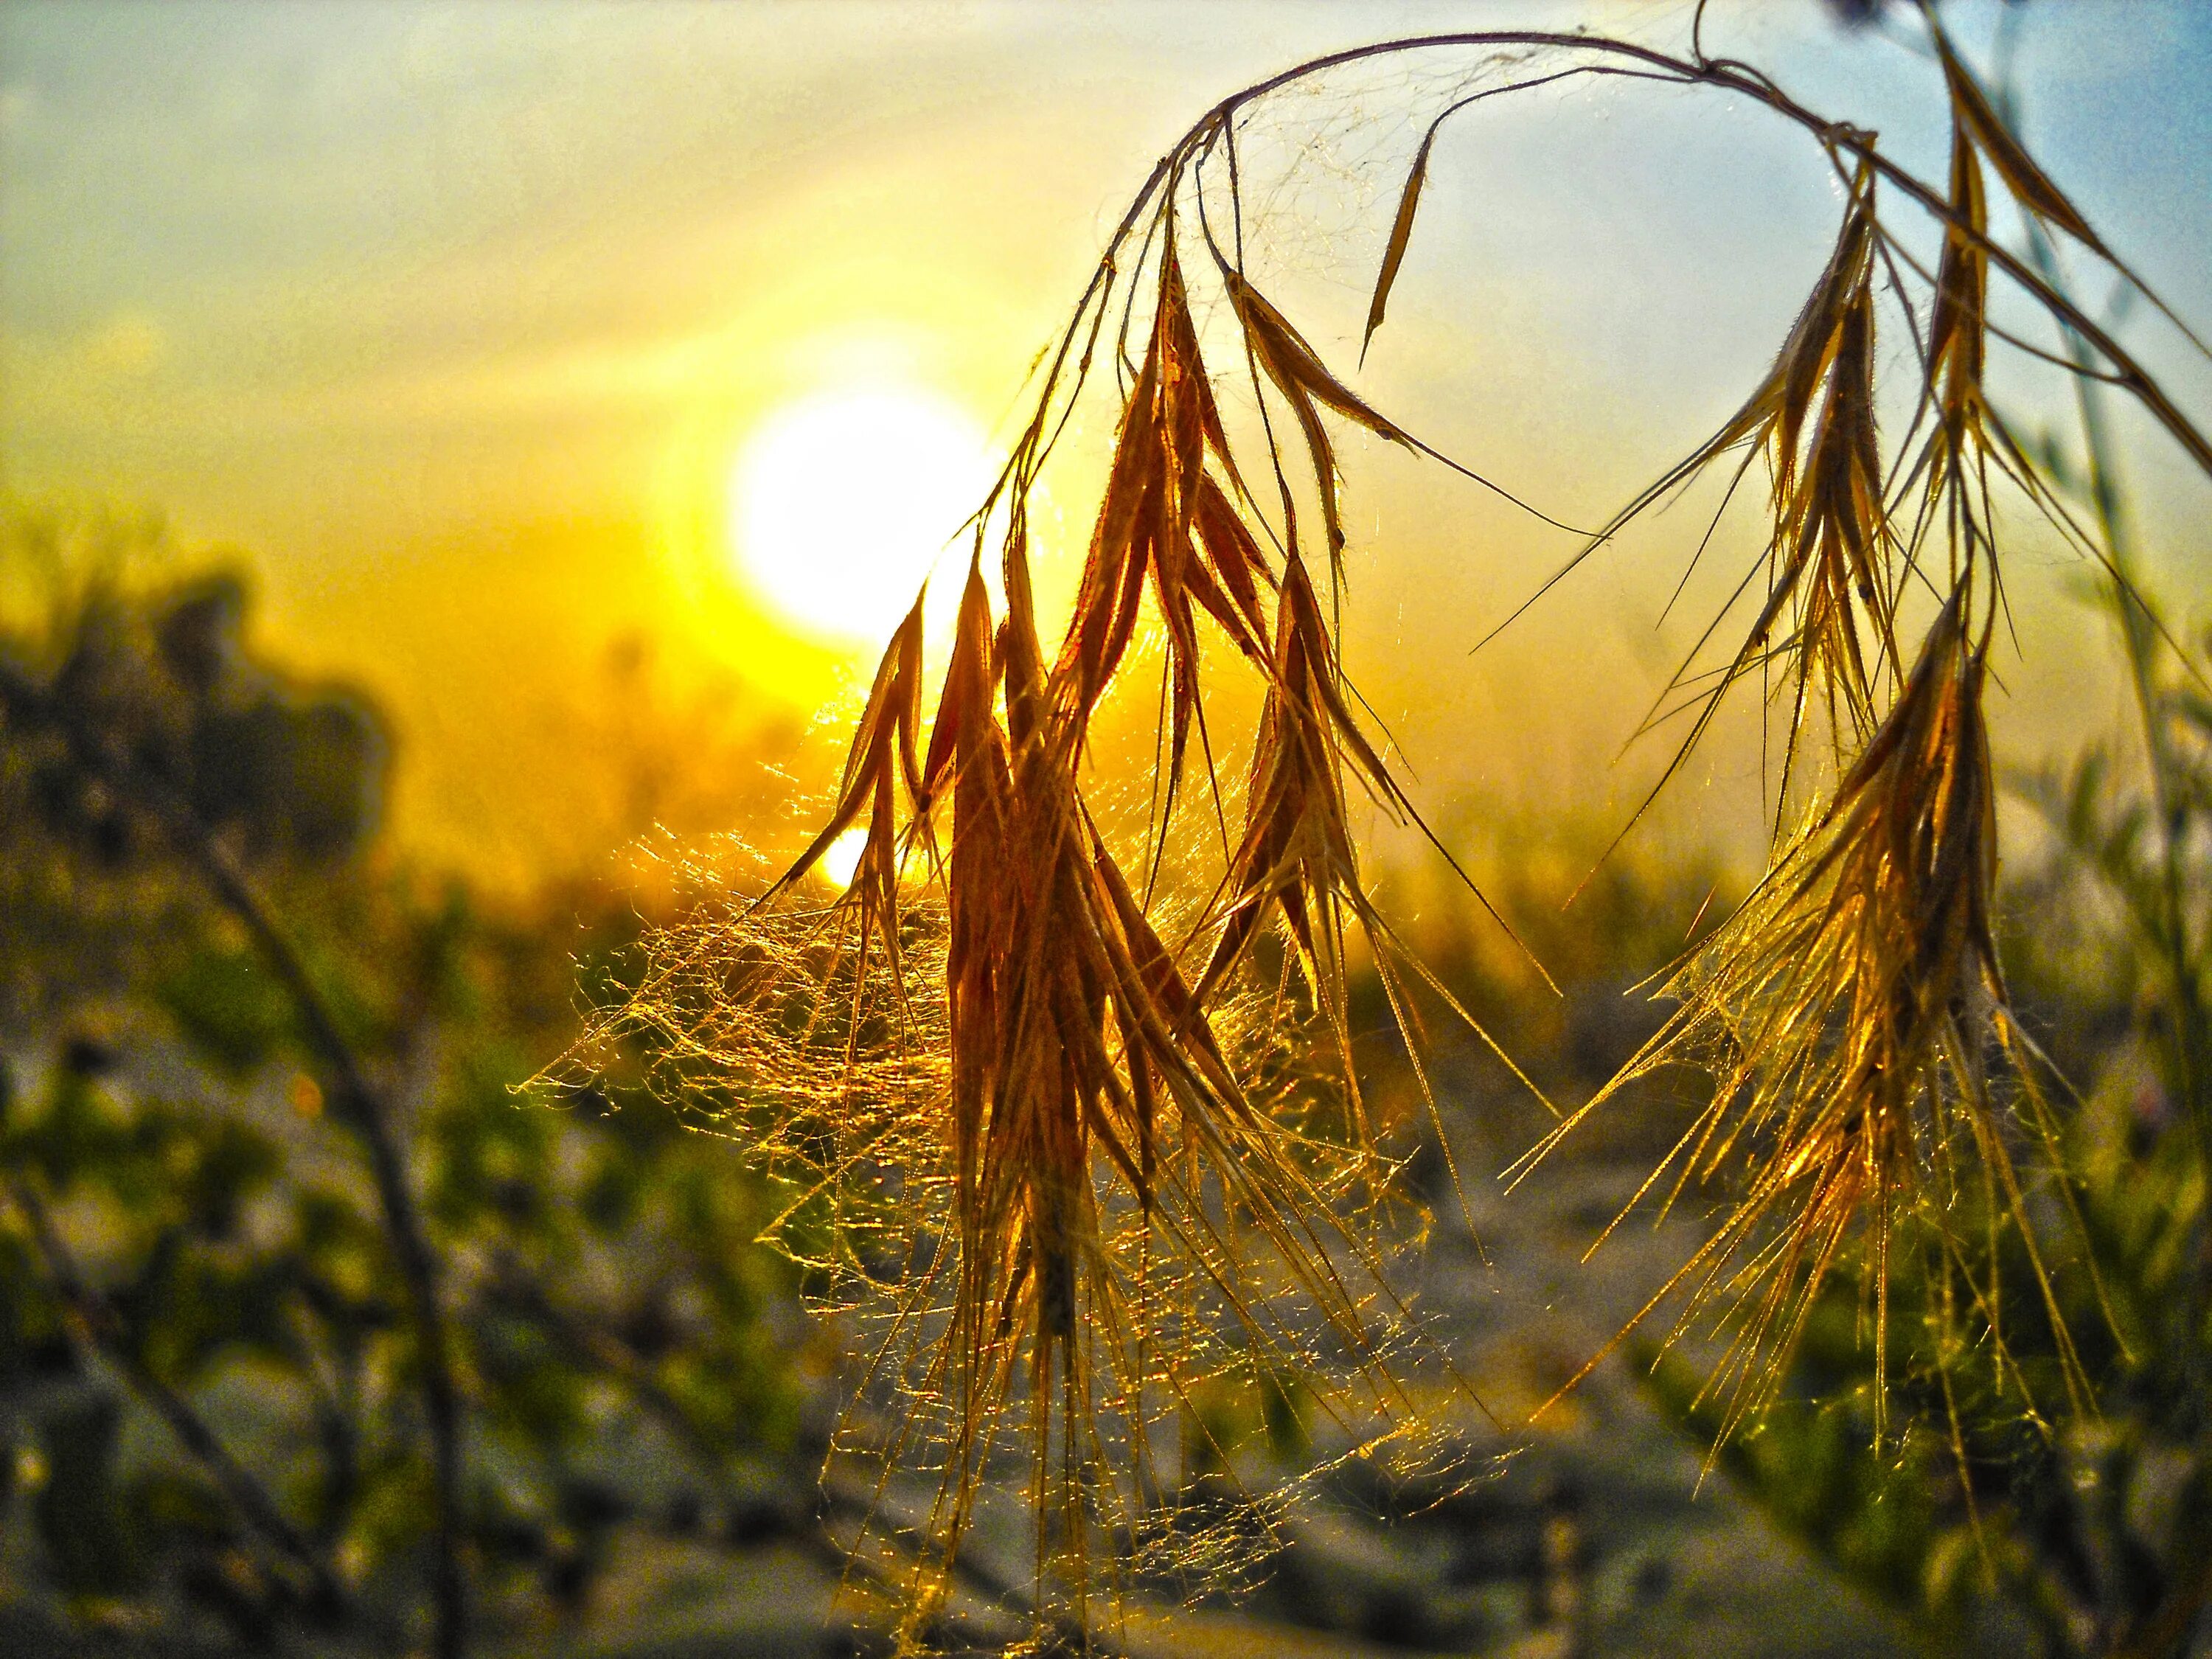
[1847, 1013]
[1046, 1113]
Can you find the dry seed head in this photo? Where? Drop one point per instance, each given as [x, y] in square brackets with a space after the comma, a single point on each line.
[1830, 573]
[1164, 517]
[1846, 1014]
[1046, 1140]
[1016, 1107]
[1830, 554]
[1956, 340]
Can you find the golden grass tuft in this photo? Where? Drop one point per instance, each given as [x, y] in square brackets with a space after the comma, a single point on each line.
[1048, 1132]
[1086, 1182]
[1847, 1013]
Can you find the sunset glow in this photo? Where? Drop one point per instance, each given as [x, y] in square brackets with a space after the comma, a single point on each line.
[842, 502]
[841, 858]
[959, 827]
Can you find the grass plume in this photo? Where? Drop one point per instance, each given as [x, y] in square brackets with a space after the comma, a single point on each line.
[1847, 1014]
[1046, 1125]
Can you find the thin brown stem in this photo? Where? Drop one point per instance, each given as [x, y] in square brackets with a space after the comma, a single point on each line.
[1732, 76]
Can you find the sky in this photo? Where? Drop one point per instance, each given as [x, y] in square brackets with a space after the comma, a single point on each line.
[501, 340]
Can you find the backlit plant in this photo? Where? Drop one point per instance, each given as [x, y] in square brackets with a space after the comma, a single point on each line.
[1047, 1105]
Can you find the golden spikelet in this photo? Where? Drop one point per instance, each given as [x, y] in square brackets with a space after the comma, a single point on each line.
[882, 756]
[1074, 1165]
[1829, 574]
[1294, 858]
[1166, 519]
[1968, 442]
[1957, 340]
[1846, 1014]
[1831, 582]
[1037, 1106]
[1976, 121]
[1296, 372]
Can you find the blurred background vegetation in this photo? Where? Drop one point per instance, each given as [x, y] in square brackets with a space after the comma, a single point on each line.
[262, 1095]
[225, 1002]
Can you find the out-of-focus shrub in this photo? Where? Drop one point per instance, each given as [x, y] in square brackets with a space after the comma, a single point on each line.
[212, 1423]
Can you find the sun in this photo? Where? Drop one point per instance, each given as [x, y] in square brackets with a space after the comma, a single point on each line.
[840, 858]
[842, 501]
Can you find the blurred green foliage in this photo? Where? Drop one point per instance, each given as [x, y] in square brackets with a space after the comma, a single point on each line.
[199, 1296]
[190, 1235]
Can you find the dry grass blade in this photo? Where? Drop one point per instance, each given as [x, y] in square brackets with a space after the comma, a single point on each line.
[882, 755]
[1956, 320]
[1297, 372]
[1166, 519]
[1401, 232]
[1309, 388]
[2029, 185]
[1830, 549]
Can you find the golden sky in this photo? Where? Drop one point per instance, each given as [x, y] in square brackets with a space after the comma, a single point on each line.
[498, 335]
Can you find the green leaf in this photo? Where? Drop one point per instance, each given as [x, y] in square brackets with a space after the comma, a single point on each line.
[229, 1008]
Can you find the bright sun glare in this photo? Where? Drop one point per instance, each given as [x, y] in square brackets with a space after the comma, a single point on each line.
[840, 859]
[842, 501]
